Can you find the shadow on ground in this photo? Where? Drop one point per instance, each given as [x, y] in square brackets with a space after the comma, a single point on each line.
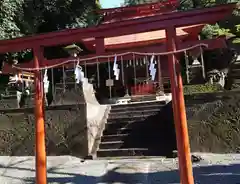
[203, 175]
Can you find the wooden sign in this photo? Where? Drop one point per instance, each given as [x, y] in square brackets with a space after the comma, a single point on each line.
[109, 82]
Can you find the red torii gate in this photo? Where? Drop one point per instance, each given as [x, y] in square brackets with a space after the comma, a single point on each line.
[168, 21]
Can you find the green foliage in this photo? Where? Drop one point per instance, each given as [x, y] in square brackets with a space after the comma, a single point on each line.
[211, 31]
[236, 41]
[45, 16]
[201, 88]
[238, 28]
[29, 17]
[8, 26]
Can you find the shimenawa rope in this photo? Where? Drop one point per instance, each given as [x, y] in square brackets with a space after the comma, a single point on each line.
[108, 56]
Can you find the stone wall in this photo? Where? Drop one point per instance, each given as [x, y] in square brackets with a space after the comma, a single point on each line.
[75, 129]
[67, 123]
[66, 132]
[214, 122]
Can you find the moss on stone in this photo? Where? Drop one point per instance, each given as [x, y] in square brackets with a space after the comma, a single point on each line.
[215, 130]
[201, 88]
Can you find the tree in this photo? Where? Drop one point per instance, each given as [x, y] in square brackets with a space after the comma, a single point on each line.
[38, 16]
[8, 27]
[29, 17]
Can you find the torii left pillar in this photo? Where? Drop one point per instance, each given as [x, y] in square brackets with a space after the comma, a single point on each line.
[40, 148]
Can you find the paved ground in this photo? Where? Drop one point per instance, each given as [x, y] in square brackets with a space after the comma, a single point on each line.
[214, 169]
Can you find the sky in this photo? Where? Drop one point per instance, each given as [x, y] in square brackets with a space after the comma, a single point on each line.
[111, 3]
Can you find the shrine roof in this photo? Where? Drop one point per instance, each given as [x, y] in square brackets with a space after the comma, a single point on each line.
[141, 39]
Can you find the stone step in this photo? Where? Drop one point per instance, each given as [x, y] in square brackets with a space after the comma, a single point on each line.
[111, 145]
[236, 65]
[236, 77]
[137, 111]
[115, 137]
[122, 152]
[132, 158]
[10, 92]
[143, 98]
[131, 115]
[236, 81]
[118, 131]
[123, 124]
[130, 118]
[60, 84]
[59, 87]
[235, 72]
[13, 96]
[137, 106]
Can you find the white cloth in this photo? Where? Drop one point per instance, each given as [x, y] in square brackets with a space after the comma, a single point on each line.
[27, 91]
[45, 82]
[152, 68]
[116, 69]
[14, 79]
[46, 86]
[222, 79]
[79, 75]
[19, 97]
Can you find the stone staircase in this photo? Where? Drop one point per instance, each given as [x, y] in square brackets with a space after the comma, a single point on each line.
[137, 129]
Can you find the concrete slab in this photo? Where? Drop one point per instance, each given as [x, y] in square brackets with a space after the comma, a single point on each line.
[217, 169]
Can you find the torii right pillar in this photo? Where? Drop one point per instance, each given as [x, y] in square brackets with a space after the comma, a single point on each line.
[180, 119]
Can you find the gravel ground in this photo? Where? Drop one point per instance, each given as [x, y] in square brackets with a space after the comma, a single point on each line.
[213, 169]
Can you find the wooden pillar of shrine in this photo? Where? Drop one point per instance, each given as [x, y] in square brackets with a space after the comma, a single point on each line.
[180, 120]
[40, 147]
[160, 81]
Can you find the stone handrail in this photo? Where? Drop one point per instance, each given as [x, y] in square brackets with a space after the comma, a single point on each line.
[96, 116]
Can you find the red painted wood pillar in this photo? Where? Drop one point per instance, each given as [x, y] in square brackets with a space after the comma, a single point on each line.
[40, 148]
[184, 155]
